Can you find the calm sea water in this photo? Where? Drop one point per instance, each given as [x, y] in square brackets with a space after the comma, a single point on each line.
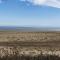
[14, 28]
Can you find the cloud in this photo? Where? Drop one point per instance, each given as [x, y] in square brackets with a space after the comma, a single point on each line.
[51, 3]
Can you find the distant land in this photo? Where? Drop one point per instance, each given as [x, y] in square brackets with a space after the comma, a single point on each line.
[28, 29]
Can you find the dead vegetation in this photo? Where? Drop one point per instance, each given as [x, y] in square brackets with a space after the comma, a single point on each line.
[29, 36]
[29, 45]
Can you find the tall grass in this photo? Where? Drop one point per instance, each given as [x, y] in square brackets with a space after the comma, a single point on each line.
[14, 53]
[23, 57]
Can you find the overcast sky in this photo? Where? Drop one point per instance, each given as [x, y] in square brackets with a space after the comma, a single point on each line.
[36, 13]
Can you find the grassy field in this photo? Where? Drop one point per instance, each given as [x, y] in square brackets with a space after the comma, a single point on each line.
[16, 45]
[29, 36]
[23, 57]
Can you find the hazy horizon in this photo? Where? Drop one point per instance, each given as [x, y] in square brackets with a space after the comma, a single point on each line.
[28, 29]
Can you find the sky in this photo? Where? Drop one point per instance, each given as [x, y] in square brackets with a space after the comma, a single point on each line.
[30, 13]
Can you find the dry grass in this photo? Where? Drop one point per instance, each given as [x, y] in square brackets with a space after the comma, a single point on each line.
[29, 36]
[14, 44]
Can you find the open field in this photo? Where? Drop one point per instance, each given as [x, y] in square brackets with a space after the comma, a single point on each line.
[9, 36]
[18, 44]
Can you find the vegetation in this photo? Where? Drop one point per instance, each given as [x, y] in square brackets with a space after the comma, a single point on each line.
[15, 46]
[23, 57]
[29, 36]
[12, 53]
